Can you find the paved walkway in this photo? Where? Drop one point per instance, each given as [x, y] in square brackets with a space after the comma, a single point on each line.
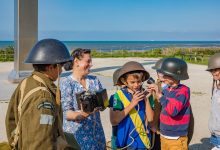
[200, 84]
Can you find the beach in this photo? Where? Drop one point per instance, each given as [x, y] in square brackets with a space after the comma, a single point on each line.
[200, 84]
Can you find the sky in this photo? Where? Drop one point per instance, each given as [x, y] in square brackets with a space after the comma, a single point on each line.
[120, 20]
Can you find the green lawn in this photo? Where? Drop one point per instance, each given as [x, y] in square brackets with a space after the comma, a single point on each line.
[190, 55]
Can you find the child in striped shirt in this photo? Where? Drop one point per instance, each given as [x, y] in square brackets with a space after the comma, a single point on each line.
[175, 102]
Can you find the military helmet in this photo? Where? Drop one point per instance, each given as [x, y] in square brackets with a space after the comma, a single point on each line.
[132, 66]
[115, 77]
[174, 67]
[48, 51]
[158, 64]
[214, 62]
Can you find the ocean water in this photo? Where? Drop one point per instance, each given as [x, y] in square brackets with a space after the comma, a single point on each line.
[128, 45]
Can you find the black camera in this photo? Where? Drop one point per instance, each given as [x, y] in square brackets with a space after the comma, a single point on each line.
[89, 100]
[150, 81]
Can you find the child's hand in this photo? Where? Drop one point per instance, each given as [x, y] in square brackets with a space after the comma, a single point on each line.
[81, 116]
[97, 109]
[137, 97]
[148, 93]
[155, 87]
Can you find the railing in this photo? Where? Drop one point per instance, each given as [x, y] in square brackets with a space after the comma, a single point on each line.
[194, 56]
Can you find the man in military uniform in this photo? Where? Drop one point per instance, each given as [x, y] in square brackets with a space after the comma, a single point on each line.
[34, 119]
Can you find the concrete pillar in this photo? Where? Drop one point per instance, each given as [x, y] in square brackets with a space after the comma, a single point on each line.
[25, 36]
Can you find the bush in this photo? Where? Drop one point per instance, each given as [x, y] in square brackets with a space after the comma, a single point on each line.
[7, 54]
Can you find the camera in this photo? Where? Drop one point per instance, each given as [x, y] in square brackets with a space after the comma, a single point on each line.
[89, 100]
[150, 81]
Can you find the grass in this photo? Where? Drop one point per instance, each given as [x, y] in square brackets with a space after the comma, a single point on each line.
[191, 55]
[7, 54]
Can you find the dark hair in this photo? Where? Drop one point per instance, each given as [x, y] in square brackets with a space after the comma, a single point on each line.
[77, 53]
[42, 67]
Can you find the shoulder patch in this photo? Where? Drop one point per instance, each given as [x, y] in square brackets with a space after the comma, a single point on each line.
[46, 105]
[46, 119]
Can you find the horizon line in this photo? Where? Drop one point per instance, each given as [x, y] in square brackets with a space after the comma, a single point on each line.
[126, 40]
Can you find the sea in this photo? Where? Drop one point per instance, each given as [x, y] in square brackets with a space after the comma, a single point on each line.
[128, 45]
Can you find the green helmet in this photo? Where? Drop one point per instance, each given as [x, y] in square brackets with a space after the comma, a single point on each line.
[115, 77]
[48, 51]
[174, 67]
[158, 64]
[214, 62]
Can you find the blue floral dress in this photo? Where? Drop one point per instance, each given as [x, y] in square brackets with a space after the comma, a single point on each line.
[88, 132]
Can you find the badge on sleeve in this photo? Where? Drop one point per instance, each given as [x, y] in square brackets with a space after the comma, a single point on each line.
[46, 105]
[46, 119]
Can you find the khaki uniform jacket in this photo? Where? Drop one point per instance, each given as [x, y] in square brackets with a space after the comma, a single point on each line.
[39, 121]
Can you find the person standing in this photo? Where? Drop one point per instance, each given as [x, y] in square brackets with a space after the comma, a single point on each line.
[214, 119]
[33, 119]
[131, 111]
[85, 127]
[175, 102]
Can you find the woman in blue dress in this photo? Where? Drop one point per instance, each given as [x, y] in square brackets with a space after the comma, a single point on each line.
[86, 127]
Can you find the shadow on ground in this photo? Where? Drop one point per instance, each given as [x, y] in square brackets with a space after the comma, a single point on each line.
[204, 145]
